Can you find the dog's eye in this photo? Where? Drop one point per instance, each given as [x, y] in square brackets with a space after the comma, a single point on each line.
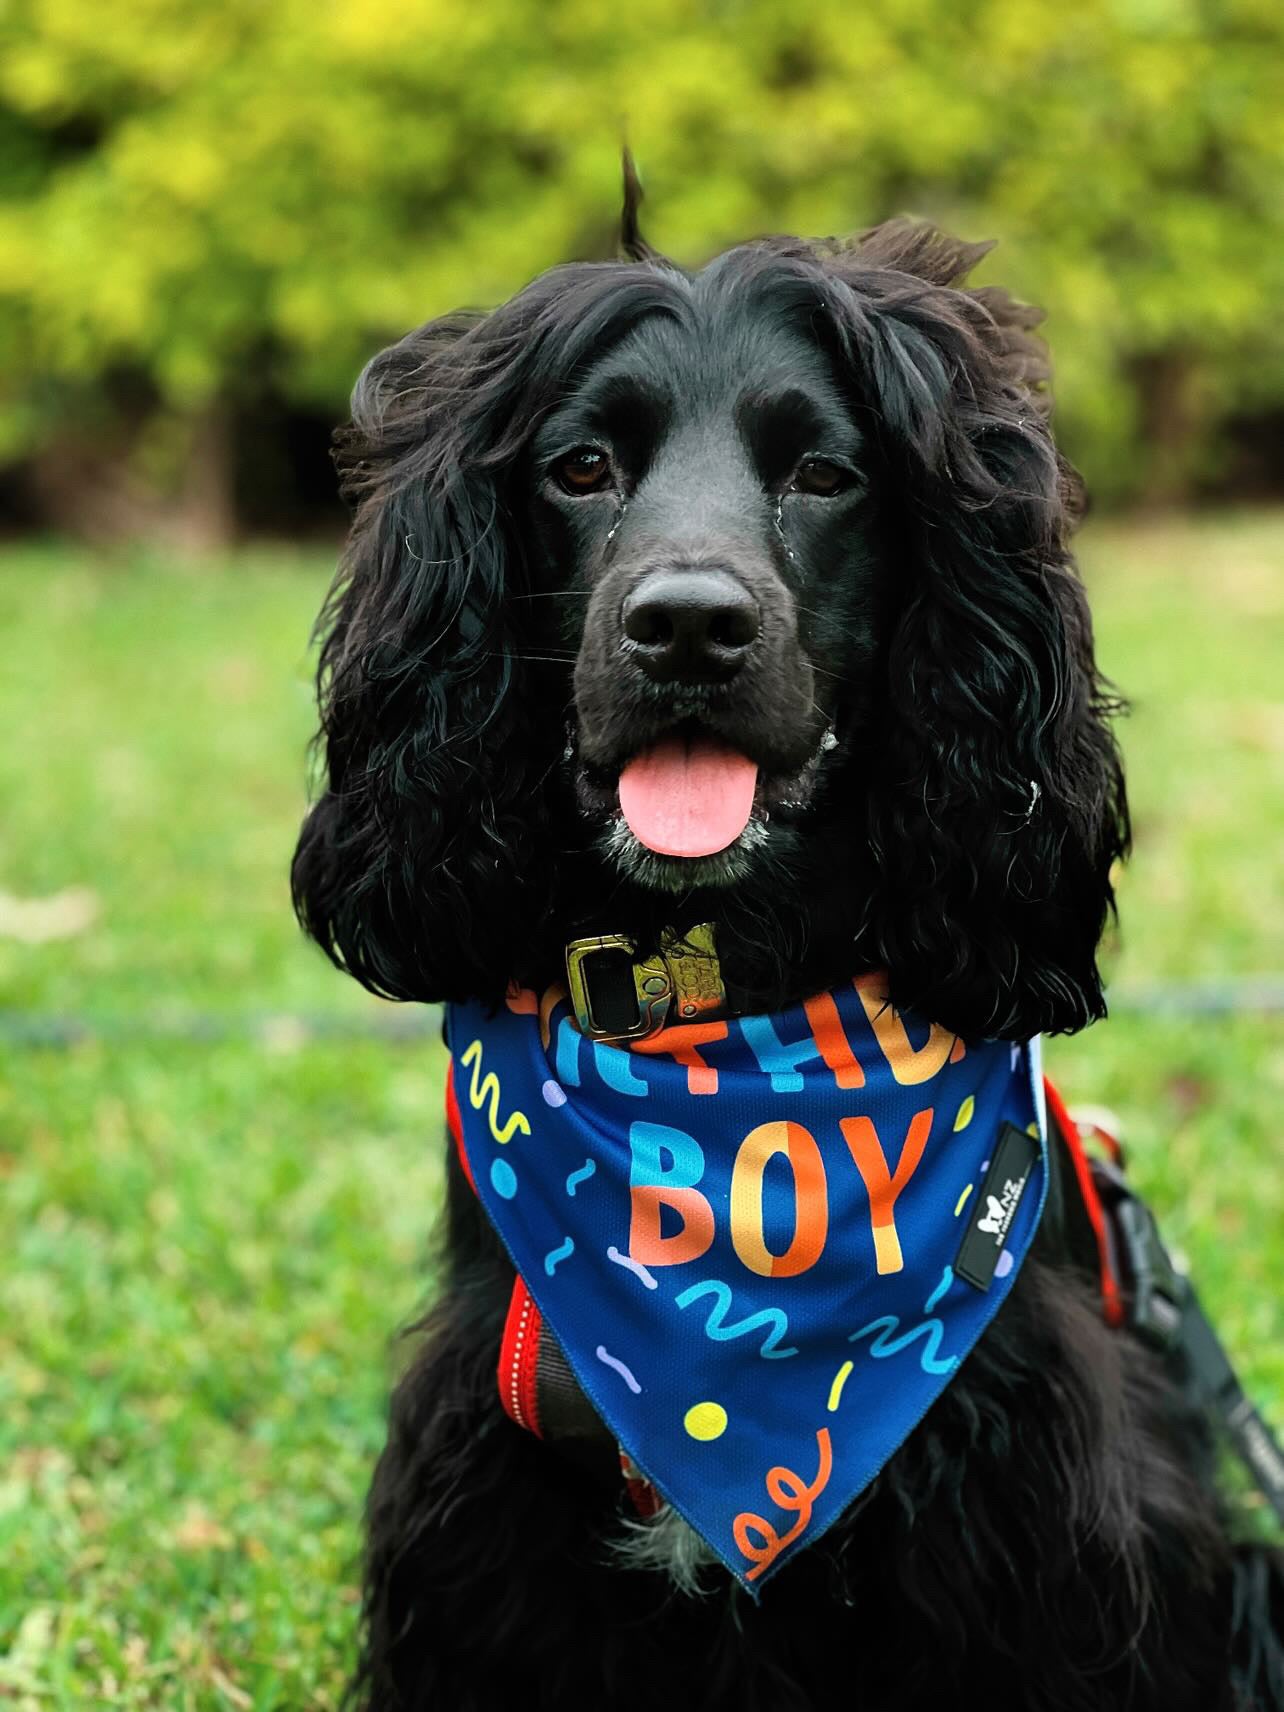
[585, 470]
[819, 476]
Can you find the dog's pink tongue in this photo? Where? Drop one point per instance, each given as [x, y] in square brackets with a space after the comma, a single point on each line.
[688, 798]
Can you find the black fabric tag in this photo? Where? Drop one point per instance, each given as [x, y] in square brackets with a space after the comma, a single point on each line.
[992, 1213]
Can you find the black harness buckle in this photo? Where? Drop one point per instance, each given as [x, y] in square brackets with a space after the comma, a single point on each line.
[1165, 1312]
[1155, 1292]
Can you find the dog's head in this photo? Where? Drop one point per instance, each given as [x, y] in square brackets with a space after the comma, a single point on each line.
[742, 595]
[710, 493]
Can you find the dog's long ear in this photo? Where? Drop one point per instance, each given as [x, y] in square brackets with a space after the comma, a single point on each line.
[997, 805]
[416, 867]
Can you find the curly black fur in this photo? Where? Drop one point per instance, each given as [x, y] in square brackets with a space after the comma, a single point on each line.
[1050, 1536]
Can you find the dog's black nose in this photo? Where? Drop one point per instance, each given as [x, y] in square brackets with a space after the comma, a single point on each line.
[690, 626]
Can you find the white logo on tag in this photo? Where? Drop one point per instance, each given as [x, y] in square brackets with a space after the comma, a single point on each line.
[999, 1212]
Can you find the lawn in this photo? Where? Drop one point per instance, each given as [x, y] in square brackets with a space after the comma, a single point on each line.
[217, 1173]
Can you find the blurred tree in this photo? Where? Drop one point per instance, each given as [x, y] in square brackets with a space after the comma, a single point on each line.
[209, 203]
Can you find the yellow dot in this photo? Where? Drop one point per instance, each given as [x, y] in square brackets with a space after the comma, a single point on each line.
[964, 1117]
[1032, 1129]
[705, 1420]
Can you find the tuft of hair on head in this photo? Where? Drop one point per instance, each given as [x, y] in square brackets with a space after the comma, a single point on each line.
[633, 246]
[920, 248]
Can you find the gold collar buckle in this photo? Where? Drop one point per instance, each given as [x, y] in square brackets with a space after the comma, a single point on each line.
[617, 998]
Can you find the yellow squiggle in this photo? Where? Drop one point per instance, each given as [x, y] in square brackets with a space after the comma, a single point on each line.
[482, 1088]
[836, 1389]
[962, 1200]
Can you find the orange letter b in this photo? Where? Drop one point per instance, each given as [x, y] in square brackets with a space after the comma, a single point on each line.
[653, 1186]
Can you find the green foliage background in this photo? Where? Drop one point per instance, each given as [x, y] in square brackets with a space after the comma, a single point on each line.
[204, 199]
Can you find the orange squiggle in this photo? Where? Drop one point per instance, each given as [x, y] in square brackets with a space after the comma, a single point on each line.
[791, 1493]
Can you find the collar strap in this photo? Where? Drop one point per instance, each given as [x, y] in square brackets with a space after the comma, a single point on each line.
[616, 997]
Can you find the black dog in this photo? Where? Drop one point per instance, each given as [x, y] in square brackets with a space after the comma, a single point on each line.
[804, 504]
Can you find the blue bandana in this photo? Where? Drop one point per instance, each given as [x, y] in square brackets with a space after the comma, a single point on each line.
[764, 1245]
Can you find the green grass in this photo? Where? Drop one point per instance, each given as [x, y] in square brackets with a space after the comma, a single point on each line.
[207, 1246]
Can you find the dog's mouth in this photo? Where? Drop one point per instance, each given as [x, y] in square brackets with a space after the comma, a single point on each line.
[690, 807]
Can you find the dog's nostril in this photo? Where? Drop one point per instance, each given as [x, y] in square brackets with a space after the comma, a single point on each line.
[734, 626]
[691, 626]
[648, 623]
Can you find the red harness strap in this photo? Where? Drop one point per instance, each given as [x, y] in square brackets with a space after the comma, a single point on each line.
[519, 1346]
[1112, 1304]
[519, 1359]
[455, 1124]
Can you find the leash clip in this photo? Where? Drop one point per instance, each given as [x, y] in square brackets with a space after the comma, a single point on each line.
[1155, 1291]
[616, 998]
[1167, 1314]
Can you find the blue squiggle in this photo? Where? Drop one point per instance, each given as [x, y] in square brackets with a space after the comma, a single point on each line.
[555, 1256]
[932, 1331]
[581, 1176]
[947, 1278]
[722, 1333]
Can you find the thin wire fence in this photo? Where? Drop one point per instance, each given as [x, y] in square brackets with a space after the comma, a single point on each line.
[1249, 995]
